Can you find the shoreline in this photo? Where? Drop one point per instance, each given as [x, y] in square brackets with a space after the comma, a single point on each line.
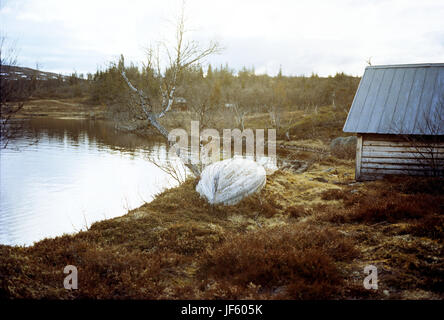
[316, 229]
[171, 242]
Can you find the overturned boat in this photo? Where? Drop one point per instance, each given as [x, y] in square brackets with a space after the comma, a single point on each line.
[229, 181]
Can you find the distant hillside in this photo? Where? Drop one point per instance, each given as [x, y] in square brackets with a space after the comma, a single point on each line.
[21, 83]
[16, 73]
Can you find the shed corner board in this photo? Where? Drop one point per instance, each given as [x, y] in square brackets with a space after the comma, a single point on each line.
[358, 157]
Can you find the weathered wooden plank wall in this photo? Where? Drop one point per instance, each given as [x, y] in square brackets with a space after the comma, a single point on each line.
[380, 155]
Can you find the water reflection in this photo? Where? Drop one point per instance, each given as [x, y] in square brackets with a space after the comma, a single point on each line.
[78, 172]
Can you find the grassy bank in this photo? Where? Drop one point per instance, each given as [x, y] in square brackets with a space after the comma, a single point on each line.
[305, 236]
[74, 108]
[321, 124]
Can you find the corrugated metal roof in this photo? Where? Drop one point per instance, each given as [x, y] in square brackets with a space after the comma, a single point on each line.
[399, 99]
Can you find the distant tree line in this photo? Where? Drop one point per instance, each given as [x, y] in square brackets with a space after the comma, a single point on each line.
[63, 87]
[213, 88]
[222, 85]
[204, 90]
[25, 83]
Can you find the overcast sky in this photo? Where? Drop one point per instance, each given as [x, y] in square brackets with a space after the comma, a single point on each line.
[323, 37]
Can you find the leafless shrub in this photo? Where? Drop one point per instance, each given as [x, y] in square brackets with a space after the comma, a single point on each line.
[175, 170]
[12, 94]
[427, 144]
[183, 55]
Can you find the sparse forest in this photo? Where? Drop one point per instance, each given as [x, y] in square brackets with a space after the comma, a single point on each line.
[221, 87]
[305, 107]
[218, 97]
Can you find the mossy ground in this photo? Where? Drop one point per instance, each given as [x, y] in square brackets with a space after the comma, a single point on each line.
[304, 236]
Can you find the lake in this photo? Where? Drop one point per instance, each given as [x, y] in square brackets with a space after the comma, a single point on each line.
[75, 173]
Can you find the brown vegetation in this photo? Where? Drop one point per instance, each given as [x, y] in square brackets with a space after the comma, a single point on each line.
[75, 108]
[293, 261]
[299, 238]
[223, 99]
[306, 235]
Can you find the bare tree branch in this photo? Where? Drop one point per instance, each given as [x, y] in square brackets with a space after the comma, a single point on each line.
[186, 54]
[12, 95]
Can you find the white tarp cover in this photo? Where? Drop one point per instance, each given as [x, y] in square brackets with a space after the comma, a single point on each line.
[229, 181]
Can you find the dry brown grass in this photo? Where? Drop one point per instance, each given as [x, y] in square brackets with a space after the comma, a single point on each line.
[325, 124]
[74, 108]
[399, 225]
[295, 262]
[345, 152]
[392, 200]
[299, 238]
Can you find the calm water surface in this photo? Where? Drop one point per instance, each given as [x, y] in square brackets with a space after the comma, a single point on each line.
[77, 172]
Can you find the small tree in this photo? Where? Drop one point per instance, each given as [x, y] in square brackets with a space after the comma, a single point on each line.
[203, 99]
[277, 102]
[13, 93]
[240, 102]
[428, 143]
[181, 56]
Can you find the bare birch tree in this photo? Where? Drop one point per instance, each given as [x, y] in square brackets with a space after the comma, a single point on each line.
[182, 55]
[12, 95]
[428, 143]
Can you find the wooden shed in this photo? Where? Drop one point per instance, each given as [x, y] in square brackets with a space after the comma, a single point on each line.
[398, 116]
